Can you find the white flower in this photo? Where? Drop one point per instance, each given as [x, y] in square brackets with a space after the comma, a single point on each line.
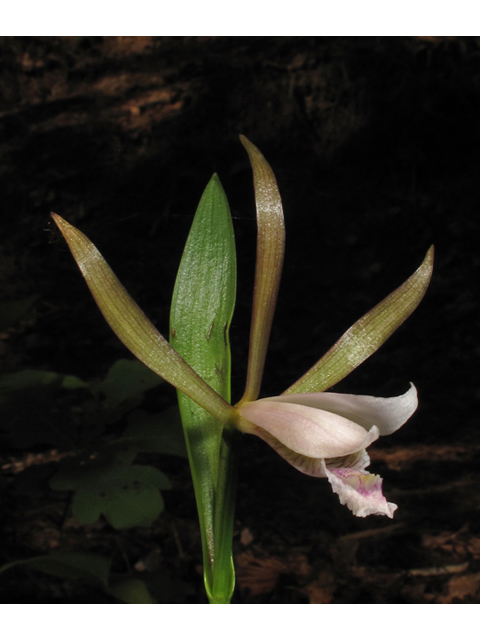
[326, 434]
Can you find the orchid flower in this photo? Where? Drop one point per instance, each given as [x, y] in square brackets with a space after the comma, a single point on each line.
[321, 434]
[326, 434]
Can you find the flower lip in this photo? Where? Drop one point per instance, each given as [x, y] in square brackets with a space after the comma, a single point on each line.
[360, 491]
[306, 430]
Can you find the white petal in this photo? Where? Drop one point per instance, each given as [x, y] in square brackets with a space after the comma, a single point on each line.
[388, 414]
[360, 491]
[311, 432]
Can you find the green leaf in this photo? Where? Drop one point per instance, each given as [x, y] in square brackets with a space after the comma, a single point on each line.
[89, 567]
[131, 591]
[30, 378]
[202, 309]
[367, 334]
[127, 498]
[107, 483]
[126, 380]
[29, 413]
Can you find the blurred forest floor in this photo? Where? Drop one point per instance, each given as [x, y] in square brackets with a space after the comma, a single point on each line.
[375, 143]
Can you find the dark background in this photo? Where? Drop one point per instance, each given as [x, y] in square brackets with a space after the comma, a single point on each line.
[375, 143]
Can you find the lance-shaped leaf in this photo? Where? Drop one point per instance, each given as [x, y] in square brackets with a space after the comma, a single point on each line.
[368, 333]
[134, 328]
[202, 308]
[90, 567]
[268, 268]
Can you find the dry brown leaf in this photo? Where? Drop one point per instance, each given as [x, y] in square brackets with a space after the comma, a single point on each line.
[474, 547]
[321, 591]
[399, 458]
[461, 587]
[259, 572]
[246, 537]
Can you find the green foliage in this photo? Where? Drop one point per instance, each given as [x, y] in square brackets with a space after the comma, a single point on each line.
[42, 407]
[30, 410]
[131, 591]
[201, 312]
[91, 568]
[123, 387]
[107, 483]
